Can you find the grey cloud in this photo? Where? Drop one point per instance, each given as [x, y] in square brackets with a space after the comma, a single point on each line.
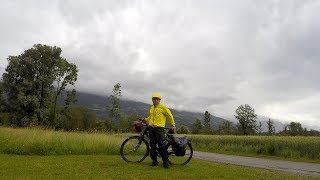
[201, 55]
[79, 12]
[293, 65]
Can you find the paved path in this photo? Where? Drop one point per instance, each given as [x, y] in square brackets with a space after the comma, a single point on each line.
[280, 165]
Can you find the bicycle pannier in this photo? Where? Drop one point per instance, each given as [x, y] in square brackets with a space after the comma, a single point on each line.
[180, 145]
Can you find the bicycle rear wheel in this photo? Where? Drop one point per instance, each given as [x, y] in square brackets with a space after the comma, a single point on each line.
[180, 160]
[134, 150]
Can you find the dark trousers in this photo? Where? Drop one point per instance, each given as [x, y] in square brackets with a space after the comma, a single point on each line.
[157, 137]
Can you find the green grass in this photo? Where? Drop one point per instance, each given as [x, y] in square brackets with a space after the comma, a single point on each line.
[113, 167]
[46, 142]
[37, 141]
[44, 154]
[297, 148]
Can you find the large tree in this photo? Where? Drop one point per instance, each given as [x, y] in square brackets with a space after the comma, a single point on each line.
[295, 128]
[65, 74]
[247, 119]
[30, 81]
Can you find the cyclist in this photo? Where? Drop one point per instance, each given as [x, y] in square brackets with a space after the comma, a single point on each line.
[157, 121]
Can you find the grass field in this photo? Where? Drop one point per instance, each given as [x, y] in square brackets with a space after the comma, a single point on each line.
[297, 148]
[46, 142]
[112, 167]
[42, 154]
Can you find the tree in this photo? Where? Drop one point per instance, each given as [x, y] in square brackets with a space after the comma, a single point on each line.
[313, 133]
[226, 127]
[2, 99]
[115, 111]
[247, 119]
[126, 123]
[196, 127]
[4, 118]
[75, 118]
[259, 128]
[29, 83]
[206, 123]
[294, 129]
[65, 74]
[71, 97]
[183, 130]
[285, 130]
[271, 129]
[108, 125]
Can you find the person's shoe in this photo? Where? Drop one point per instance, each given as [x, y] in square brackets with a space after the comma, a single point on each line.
[166, 165]
[154, 163]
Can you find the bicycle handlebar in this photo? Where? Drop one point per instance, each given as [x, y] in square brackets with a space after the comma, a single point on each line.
[141, 120]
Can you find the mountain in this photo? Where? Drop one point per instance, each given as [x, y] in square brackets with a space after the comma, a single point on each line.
[99, 103]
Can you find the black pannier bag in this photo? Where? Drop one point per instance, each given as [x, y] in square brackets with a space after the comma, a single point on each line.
[180, 145]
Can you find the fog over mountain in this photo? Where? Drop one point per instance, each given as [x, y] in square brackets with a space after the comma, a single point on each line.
[102, 104]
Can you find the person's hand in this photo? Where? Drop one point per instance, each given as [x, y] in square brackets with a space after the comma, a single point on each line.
[143, 120]
[173, 127]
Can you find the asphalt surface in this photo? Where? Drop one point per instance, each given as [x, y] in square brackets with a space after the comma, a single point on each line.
[279, 165]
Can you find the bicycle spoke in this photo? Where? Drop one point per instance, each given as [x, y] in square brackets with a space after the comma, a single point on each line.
[134, 150]
[180, 160]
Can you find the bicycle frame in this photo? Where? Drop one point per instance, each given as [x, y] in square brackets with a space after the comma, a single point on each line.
[145, 133]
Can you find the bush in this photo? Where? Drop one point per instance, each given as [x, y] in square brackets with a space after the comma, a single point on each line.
[4, 119]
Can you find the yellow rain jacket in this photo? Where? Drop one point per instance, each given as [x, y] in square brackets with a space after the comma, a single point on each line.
[158, 115]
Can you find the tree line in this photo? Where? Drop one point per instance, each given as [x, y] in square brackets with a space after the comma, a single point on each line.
[34, 81]
[247, 125]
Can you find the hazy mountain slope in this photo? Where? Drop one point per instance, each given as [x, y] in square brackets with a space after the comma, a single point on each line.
[99, 104]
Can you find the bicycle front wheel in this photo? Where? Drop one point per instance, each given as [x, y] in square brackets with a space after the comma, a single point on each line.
[134, 149]
[180, 160]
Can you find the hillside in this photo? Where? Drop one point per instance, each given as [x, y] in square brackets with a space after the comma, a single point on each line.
[98, 103]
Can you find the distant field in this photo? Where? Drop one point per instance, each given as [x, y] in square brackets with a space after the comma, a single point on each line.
[112, 167]
[37, 141]
[298, 148]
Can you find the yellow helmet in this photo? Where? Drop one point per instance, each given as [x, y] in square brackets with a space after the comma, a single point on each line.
[156, 95]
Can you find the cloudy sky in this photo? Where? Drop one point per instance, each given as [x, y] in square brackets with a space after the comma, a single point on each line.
[200, 55]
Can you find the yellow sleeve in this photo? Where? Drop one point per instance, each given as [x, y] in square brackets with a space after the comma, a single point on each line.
[147, 119]
[169, 116]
